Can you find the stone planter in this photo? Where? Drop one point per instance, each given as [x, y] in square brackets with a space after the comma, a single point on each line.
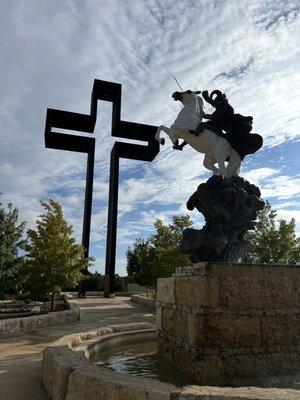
[145, 301]
[35, 322]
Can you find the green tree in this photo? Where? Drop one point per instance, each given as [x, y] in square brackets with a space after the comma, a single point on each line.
[53, 259]
[94, 282]
[121, 283]
[274, 241]
[165, 242]
[139, 259]
[11, 232]
[158, 256]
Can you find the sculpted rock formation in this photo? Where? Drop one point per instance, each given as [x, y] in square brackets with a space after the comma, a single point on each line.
[230, 207]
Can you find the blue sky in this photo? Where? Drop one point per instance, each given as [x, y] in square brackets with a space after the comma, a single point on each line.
[51, 51]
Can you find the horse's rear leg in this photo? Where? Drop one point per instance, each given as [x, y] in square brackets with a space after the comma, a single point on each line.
[209, 163]
[234, 165]
[163, 129]
[222, 167]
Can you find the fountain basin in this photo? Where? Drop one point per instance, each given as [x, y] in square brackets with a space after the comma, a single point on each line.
[69, 374]
[134, 353]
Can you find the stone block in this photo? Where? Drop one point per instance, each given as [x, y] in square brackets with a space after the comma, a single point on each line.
[243, 292]
[174, 323]
[258, 286]
[240, 393]
[159, 319]
[229, 332]
[36, 322]
[165, 290]
[145, 301]
[281, 330]
[286, 363]
[196, 330]
[185, 361]
[132, 326]
[10, 325]
[202, 369]
[233, 270]
[95, 383]
[283, 289]
[57, 365]
[197, 291]
[222, 332]
[212, 371]
[267, 364]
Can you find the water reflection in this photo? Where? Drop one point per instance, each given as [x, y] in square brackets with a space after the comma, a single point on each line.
[142, 359]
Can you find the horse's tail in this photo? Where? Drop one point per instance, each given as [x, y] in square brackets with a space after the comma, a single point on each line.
[234, 164]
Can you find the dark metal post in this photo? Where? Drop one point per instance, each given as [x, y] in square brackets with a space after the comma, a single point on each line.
[88, 201]
[109, 282]
[86, 227]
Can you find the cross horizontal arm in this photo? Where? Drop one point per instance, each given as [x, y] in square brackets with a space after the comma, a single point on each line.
[102, 90]
[134, 152]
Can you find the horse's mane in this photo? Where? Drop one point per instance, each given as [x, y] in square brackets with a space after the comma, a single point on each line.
[199, 106]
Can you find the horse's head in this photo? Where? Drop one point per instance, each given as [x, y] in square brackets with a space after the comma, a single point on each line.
[185, 97]
[188, 97]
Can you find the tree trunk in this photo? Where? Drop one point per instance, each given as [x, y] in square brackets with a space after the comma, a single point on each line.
[52, 302]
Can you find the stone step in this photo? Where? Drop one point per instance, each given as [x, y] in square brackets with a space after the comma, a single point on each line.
[19, 315]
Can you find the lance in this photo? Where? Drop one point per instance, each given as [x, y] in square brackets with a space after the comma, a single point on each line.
[177, 83]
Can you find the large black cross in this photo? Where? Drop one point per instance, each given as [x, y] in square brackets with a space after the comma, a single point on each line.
[108, 91]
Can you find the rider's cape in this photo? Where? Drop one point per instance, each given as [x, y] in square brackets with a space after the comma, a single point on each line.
[237, 127]
[240, 138]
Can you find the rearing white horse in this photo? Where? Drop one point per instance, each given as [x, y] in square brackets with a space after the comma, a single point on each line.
[215, 147]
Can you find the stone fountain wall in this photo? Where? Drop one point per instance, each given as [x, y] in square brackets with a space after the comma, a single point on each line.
[224, 323]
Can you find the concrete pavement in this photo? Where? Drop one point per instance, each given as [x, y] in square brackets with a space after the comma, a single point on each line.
[21, 353]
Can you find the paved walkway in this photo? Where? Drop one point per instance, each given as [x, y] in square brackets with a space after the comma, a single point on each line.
[21, 353]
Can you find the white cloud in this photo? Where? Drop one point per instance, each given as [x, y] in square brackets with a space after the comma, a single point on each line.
[257, 176]
[282, 187]
[288, 214]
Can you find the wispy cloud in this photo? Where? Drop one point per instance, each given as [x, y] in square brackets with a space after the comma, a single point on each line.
[236, 72]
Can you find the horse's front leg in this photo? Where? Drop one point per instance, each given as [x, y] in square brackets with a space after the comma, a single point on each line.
[157, 135]
[209, 163]
[164, 129]
[222, 167]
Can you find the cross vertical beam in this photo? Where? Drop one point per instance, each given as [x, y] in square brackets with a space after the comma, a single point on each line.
[86, 228]
[112, 218]
[87, 214]
[128, 151]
